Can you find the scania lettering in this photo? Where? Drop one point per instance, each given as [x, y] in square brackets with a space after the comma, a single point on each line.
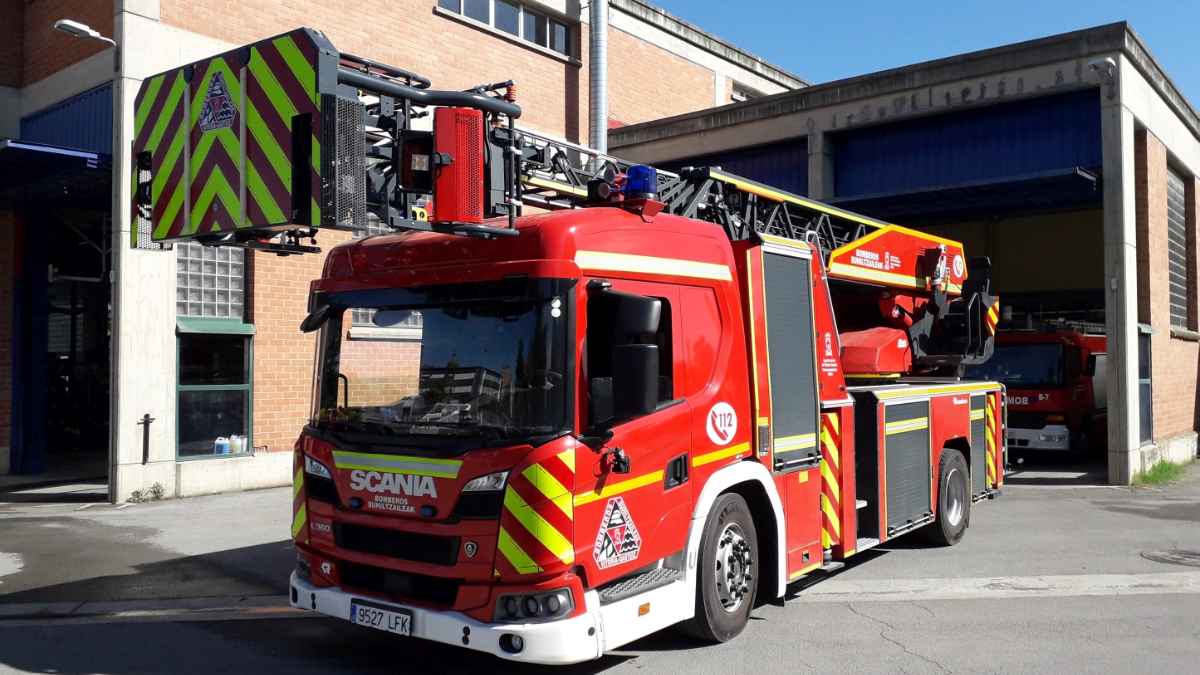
[656, 402]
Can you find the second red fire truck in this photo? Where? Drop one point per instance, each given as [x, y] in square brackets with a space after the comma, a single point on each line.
[544, 436]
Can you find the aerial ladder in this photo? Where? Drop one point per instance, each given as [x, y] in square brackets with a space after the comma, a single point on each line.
[372, 148]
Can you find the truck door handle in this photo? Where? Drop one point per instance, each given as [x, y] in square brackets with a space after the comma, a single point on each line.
[677, 472]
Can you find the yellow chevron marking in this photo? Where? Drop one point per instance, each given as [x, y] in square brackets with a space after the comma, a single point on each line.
[551, 489]
[834, 422]
[297, 482]
[903, 426]
[299, 519]
[830, 448]
[568, 458]
[826, 540]
[829, 512]
[546, 534]
[619, 488]
[830, 481]
[715, 456]
[515, 555]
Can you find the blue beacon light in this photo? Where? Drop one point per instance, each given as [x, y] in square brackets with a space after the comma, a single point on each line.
[641, 182]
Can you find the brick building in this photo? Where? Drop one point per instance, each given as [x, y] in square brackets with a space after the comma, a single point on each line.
[1072, 161]
[203, 343]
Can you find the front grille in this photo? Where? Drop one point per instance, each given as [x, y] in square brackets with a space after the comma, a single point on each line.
[1026, 420]
[400, 585]
[424, 548]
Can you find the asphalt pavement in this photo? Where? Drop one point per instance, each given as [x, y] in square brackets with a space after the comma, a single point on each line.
[1057, 575]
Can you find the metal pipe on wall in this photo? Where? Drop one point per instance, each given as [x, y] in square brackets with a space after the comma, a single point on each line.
[598, 76]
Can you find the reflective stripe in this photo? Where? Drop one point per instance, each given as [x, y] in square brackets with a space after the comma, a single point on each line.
[619, 488]
[538, 527]
[550, 488]
[514, 554]
[644, 264]
[718, 455]
[855, 272]
[802, 571]
[297, 482]
[902, 426]
[904, 392]
[299, 519]
[976, 415]
[797, 442]
[417, 466]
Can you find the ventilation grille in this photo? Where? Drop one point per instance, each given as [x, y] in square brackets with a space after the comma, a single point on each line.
[468, 130]
[344, 164]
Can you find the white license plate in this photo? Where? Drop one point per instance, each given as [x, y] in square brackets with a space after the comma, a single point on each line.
[392, 620]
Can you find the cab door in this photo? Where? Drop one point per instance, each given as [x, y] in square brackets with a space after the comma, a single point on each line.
[628, 517]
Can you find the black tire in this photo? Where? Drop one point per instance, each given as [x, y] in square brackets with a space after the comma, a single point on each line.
[954, 501]
[715, 620]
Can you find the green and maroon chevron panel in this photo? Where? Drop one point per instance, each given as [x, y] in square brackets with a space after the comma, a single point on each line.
[234, 140]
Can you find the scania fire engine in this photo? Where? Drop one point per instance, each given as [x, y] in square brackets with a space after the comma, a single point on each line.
[658, 400]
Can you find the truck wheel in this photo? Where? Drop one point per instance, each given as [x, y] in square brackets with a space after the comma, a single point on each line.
[728, 572]
[954, 501]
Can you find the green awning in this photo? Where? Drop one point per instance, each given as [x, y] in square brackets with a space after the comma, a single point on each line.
[196, 324]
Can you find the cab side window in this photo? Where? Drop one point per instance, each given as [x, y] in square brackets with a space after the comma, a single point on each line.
[604, 333]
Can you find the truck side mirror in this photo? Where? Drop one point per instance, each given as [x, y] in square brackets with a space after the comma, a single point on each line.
[635, 380]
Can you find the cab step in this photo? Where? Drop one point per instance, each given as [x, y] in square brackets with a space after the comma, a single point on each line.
[638, 583]
[866, 543]
[832, 566]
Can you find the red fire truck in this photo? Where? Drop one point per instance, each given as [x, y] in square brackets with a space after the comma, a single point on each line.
[1055, 379]
[659, 401]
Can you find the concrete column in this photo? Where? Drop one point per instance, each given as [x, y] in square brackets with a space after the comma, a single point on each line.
[143, 345]
[1120, 278]
[820, 165]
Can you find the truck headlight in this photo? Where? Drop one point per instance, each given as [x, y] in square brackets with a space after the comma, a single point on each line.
[312, 466]
[489, 483]
[533, 607]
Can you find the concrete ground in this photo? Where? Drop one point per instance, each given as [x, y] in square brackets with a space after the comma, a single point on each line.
[1050, 578]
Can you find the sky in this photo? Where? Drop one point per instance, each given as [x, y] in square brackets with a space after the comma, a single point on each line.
[828, 40]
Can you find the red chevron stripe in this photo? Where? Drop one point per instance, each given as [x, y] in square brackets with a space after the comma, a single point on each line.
[545, 508]
[160, 100]
[300, 100]
[160, 203]
[561, 472]
[258, 159]
[217, 157]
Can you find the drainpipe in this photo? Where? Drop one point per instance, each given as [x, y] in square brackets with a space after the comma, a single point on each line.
[598, 76]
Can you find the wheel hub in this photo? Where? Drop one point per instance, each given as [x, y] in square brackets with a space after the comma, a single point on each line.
[955, 498]
[733, 564]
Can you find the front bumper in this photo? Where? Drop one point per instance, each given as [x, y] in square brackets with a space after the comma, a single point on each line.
[1051, 437]
[564, 641]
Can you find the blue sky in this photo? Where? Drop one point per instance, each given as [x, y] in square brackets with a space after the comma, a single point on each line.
[827, 40]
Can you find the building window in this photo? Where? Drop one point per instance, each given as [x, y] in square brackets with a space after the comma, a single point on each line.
[214, 388]
[210, 281]
[1180, 259]
[515, 19]
[741, 92]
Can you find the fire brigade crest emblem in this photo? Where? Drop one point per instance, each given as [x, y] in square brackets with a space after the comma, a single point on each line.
[618, 540]
[218, 109]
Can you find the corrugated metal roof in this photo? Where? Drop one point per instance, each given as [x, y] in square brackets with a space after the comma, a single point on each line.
[967, 146]
[782, 165]
[84, 121]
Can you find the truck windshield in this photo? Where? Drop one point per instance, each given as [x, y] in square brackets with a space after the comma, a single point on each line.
[483, 363]
[1023, 366]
